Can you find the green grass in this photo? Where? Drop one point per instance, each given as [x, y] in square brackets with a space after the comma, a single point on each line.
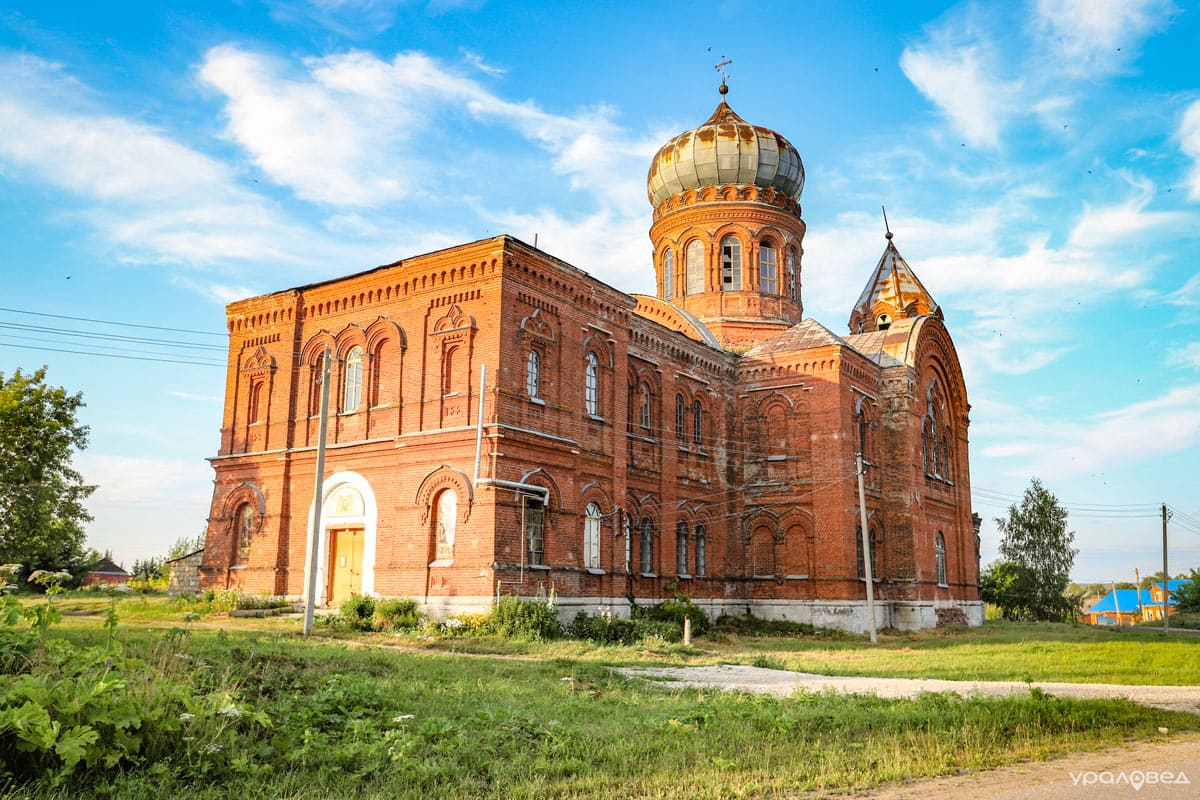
[562, 726]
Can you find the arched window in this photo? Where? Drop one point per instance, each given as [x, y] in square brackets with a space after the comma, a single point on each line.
[939, 550]
[379, 393]
[256, 401]
[679, 416]
[681, 548]
[731, 264]
[945, 457]
[874, 552]
[591, 536]
[591, 385]
[644, 415]
[768, 269]
[668, 274]
[535, 529]
[448, 374]
[533, 374]
[444, 523]
[694, 266]
[647, 546]
[244, 532]
[791, 277]
[352, 395]
[697, 421]
[701, 551]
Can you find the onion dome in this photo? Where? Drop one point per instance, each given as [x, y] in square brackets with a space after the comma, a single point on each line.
[725, 150]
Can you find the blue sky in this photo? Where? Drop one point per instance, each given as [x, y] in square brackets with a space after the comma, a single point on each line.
[1040, 164]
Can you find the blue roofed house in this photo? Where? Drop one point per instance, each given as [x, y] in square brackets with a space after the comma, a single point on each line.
[1129, 606]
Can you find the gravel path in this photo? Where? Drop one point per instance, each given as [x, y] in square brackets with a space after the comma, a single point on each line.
[781, 683]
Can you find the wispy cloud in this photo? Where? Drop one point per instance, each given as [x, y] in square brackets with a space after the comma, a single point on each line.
[1089, 38]
[1186, 356]
[1189, 142]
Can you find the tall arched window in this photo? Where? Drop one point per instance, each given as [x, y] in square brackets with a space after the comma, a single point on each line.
[694, 266]
[697, 421]
[668, 274]
[535, 529]
[768, 269]
[444, 525]
[679, 416]
[681, 548]
[352, 395]
[448, 374]
[647, 546]
[244, 532]
[591, 385]
[591, 536]
[256, 401]
[939, 550]
[644, 415]
[701, 551]
[731, 264]
[874, 552]
[533, 374]
[791, 277]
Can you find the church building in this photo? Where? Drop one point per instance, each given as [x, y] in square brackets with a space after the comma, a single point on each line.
[502, 423]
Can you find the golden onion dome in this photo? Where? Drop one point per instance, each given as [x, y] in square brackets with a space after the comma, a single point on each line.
[725, 150]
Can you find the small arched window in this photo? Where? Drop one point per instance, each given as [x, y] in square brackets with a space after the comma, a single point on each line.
[768, 269]
[256, 401]
[680, 413]
[644, 415]
[697, 421]
[701, 551]
[792, 279]
[668, 274]
[352, 395]
[533, 374]
[448, 374]
[681, 548]
[647, 546]
[535, 529]
[245, 533]
[444, 525]
[694, 258]
[591, 536]
[731, 264]
[591, 385]
[939, 550]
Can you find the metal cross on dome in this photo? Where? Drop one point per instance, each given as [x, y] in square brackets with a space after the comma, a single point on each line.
[725, 62]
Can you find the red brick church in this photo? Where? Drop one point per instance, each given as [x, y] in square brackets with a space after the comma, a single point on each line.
[501, 422]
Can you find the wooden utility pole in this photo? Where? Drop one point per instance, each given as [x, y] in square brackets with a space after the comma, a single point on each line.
[866, 549]
[314, 547]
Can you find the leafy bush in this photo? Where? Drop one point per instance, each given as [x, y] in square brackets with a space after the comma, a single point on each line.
[398, 614]
[676, 611]
[358, 613]
[606, 629]
[532, 620]
[750, 625]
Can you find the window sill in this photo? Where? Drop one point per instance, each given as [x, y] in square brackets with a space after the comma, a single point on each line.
[873, 580]
[648, 574]
[943, 586]
[777, 458]
[442, 562]
[537, 401]
[594, 571]
[684, 577]
[539, 567]
[448, 395]
[796, 577]
[763, 577]
[595, 418]
[239, 566]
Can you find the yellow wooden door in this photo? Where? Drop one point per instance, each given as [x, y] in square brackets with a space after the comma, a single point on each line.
[345, 563]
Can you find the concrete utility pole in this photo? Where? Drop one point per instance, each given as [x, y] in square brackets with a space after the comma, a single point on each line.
[866, 549]
[314, 546]
[1166, 575]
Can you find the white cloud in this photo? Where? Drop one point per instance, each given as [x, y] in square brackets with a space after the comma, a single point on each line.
[476, 61]
[1111, 225]
[1128, 435]
[961, 80]
[1095, 37]
[356, 130]
[1186, 356]
[1189, 142]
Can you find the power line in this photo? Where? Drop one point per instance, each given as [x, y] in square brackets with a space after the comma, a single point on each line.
[112, 355]
[111, 322]
[112, 337]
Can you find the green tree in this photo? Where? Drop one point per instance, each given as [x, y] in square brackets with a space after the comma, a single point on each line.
[1036, 538]
[1187, 596]
[1004, 584]
[41, 495]
[186, 544]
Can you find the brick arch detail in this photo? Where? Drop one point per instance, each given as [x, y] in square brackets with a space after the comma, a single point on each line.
[444, 477]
